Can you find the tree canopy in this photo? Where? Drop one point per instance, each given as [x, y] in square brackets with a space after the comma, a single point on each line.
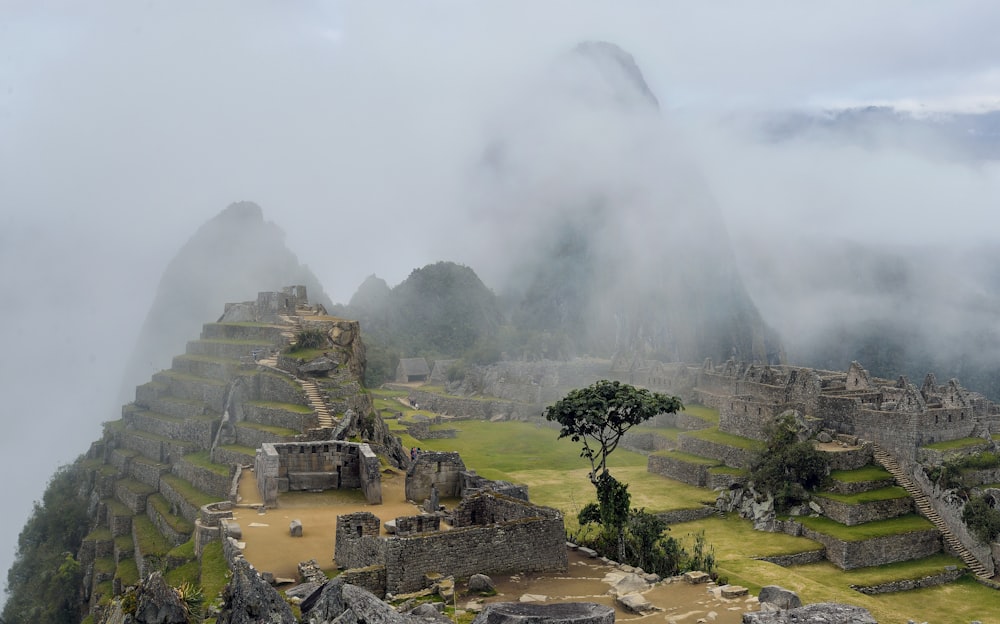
[600, 414]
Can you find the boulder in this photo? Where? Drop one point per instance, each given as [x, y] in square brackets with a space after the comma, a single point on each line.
[818, 613]
[625, 583]
[824, 437]
[158, 603]
[295, 528]
[733, 591]
[636, 603]
[321, 364]
[779, 596]
[563, 613]
[481, 584]
[695, 576]
[249, 599]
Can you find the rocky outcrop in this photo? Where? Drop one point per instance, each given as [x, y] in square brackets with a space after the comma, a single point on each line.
[527, 613]
[343, 603]
[250, 600]
[819, 613]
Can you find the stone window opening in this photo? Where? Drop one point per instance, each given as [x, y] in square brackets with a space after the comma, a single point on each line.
[360, 530]
[439, 466]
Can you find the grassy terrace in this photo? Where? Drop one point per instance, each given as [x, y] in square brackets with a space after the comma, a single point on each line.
[278, 431]
[889, 493]
[125, 543]
[952, 445]
[127, 572]
[214, 571]
[286, 407]
[235, 341]
[868, 473]
[116, 508]
[707, 414]
[208, 359]
[728, 470]
[177, 523]
[201, 460]
[159, 438]
[688, 458]
[242, 450]
[105, 565]
[148, 538]
[99, 534]
[191, 378]
[727, 439]
[190, 493]
[136, 487]
[868, 530]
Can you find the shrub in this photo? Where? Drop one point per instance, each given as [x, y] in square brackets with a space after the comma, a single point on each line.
[788, 469]
[982, 519]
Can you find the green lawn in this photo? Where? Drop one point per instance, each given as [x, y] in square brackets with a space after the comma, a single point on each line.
[707, 414]
[689, 458]
[727, 439]
[868, 473]
[868, 530]
[951, 445]
[888, 493]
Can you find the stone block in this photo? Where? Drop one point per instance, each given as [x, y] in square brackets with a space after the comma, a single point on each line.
[295, 528]
[695, 577]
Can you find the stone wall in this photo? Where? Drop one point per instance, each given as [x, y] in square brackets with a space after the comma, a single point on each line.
[802, 558]
[732, 456]
[647, 442]
[747, 417]
[520, 537]
[857, 487]
[870, 552]
[478, 409]
[326, 464]
[934, 457]
[357, 542]
[932, 580]
[277, 417]
[851, 458]
[442, 470]
[209, 482]
[177, 500]
[850, 515]
[679, 470]
[686, 515]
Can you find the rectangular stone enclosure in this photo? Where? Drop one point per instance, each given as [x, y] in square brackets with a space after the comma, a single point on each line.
[321, 465]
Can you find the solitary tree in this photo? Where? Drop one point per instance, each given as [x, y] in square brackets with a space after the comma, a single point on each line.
[599, 416]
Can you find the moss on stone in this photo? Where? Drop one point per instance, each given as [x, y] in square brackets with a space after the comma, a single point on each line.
[162, 507]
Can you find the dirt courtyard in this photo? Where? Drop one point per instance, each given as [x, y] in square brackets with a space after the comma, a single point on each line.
[270, 548]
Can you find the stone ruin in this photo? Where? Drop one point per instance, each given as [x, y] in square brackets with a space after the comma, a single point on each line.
[317, 466]
[490, 534]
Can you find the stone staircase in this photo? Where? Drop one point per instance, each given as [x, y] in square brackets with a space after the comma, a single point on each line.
[316, 402]
[927, 510]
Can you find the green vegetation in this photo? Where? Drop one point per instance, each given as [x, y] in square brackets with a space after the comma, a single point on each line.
[599, 416]
[191, 494]
[242, 450]
[184, 552]
[952, 445]
[707, 414]
[162, 507]
[688, 458]
[201, 460]
[888, 493]
[149, 540]
[951, 473]
[44, 580]
[868, 473]
[286, 407]
[189, 573]
[278, 431]
[179, 376]
[868, 530]
[124, 543]
[127, 572]
[727, 439]
[214, 572]
[309, 339]
[787, 468]
[982, 519]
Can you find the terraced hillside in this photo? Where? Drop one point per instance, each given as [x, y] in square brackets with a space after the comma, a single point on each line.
[160, 474]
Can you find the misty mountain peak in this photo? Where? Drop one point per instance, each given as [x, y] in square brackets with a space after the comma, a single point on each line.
[242, 210]
[616, 70]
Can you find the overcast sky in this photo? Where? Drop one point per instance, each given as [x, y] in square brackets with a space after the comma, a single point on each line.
[125, 125]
